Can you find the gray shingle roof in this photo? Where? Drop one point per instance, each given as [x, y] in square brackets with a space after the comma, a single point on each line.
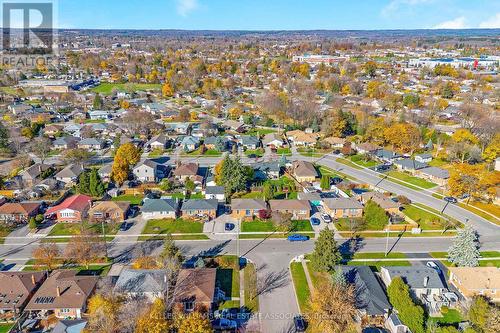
[436, 172]
[160, 205]
[215, 190]
[200, 204]
[415, 276]
[409, 163]
[141, 281]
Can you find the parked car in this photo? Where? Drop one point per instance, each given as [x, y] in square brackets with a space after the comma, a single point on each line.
[299, 323]
[450, 200]
[231, 313]
[327, 218]
[224, 324]
[297, 238]
[315, 221]
[433, 265]
[125, 226]
[228, 226]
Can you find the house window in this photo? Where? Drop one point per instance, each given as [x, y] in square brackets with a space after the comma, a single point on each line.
[188, 306]
[247, 212]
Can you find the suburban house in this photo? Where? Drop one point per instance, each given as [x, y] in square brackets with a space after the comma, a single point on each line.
[200, 208]
[73, 209]
[301, 138]
[91, 144]
[304, 171]
[410, 165]
[195, 290]
[147, 283]
[385, 155]
[233, 125]
[472, 281]
[32, 175]
[186, 170]
[272, 140]
[160, 141]
[424, 282]
[66, 142]
[52, 130]
[267, 170]
[343, 207]
[70, 326]
[64, 294]
[423, 158]
[190, 143]
[250, 142]
[300, 209]
[371, 301]
[366, 148]
[434, 174]
[150, 171]
[105, 171]
[394, 324]
[115, 211]
[18, 212]
[247, 208]
[16, 289]
[335, 142]
[160, 209]
[70, 173]
[215, 192]
[383, 201]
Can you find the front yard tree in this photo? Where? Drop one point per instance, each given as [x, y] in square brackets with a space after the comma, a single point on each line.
[194, 322]
[46, 255]
[332, 309]
[464, 252]
[325, 182]
[231, 174]
[375, 215]
[103, 312]
[126, 156]
[41, 148]
[268, 191]
[411, 314]
[326, 255]
[85, 249]
[77, 155]
[153, 319]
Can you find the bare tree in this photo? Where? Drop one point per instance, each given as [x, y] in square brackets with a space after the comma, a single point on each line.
[40, 146]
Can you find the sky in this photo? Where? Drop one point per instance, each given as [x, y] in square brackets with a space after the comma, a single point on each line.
[278, 14]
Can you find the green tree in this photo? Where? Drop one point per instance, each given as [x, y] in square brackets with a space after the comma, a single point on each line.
[189, 185]
[325, 182]
[326, 254]
[375, 216]
[4, 137]
[96, 186]
[411, 314]
[268, 191]
[232, 175]
[478, 313]
[98, 102]
[32, 223]
[166, 185]
[464, 252]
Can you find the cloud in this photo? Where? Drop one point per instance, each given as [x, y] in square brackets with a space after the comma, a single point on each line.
[457, 23]
[184, 7]
[396, 5]
[492, 23]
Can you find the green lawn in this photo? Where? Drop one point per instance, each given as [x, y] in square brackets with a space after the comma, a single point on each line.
[157, 152]
[171, 226]
[228, 276]
[411, 180]
[376, 265]
[325, 171]
[174, 237]
[251, 195]
[301, 287]
[199, 152]
[436, 162]
[4, 328]
[68, 229]
[284, 151]
[101, 270]
[360, 160]
[257, 152]
[250, 278]
[426, 220]
[450, 317]
[106, 88]
[133, 199]
[344, 224]
[379, 255]
[260, 131]
[480, 213]
[309, 152]
[265, 226]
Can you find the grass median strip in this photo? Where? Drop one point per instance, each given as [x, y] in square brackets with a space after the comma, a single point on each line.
[300, 282]
[250, 288]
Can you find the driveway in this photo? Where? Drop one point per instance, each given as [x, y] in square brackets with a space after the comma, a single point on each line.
[138, 224]
[215, 229]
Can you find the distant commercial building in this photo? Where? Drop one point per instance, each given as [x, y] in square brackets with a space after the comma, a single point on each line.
[488, 62]
[315, 59]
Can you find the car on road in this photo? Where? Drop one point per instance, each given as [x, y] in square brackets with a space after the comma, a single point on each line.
[327, 218]
[298, 238]
[450, 200]
[224, 324]
[315, 221]
[299, 323]
[228, 226]
[125, 226]
[433, 265]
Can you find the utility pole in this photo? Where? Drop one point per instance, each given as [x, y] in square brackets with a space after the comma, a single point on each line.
[387, 243]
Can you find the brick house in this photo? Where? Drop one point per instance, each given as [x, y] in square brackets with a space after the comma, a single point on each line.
[73, 209]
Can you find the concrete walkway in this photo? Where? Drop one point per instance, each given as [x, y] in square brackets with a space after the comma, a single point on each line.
[308, 276]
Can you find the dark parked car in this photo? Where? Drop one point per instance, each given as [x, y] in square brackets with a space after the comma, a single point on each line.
[229, 226]
[297, 238]
[224, 324]
[299, 323]
[450, 199]
[125, 226]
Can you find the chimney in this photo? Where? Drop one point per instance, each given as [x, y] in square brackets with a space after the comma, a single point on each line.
[58, 291]
[33, 279]
[426, 281]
